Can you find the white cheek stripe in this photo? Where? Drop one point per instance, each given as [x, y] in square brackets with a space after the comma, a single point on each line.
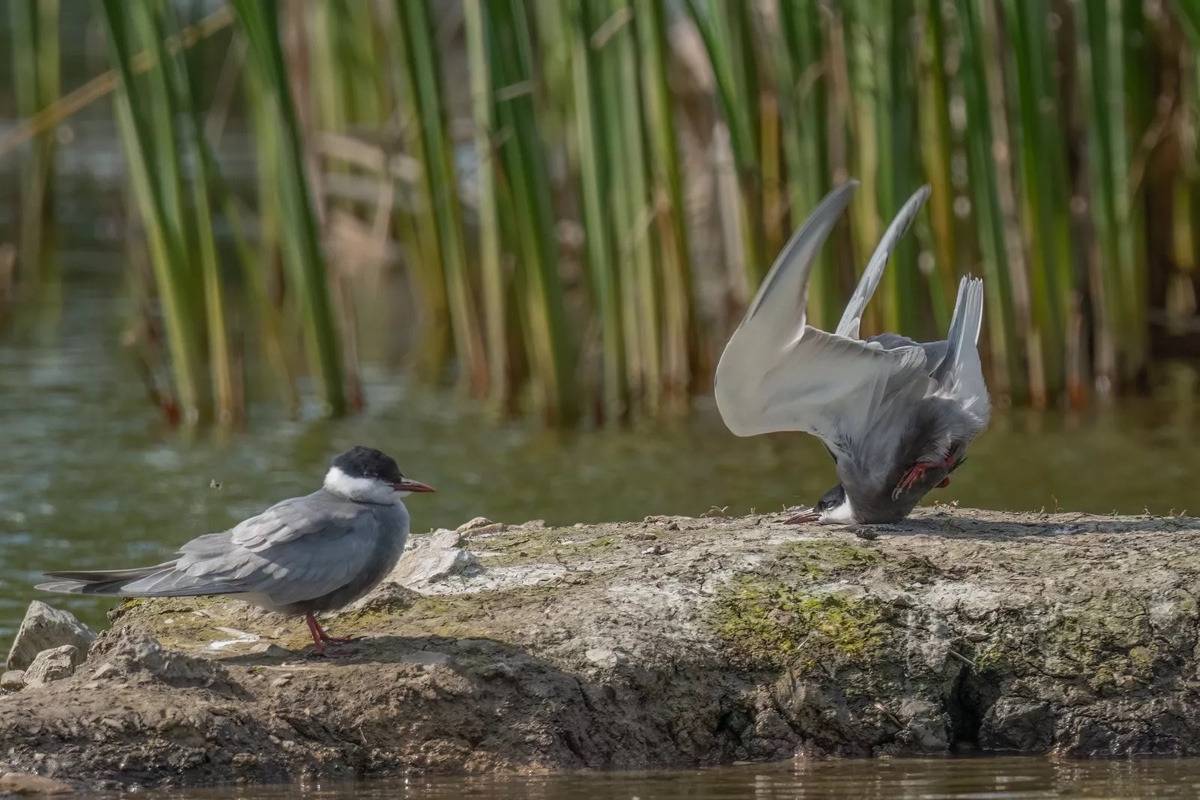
[365, 489]
[842, 513]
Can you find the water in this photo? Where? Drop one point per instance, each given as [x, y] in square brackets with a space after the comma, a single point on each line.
[878, 779]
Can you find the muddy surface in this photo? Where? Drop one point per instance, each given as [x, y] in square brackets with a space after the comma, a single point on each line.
[668, 642]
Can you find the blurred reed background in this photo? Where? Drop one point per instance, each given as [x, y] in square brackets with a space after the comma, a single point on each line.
[581, 196]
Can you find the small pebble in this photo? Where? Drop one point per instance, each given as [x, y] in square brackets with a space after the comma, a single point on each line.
[12, 680]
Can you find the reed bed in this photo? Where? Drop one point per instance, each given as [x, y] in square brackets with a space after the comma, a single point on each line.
[35, 55]
[586, 193]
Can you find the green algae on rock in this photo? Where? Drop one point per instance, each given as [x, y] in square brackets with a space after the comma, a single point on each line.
[781, 626]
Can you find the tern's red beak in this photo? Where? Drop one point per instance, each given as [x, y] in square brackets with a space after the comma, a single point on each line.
[409, 485]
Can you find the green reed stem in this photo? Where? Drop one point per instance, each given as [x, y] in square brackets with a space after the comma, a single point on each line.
[495, 289]
[667, 203]
[802, 79]
[440, 183]
[35, 54]
[593, 128]
[1040, 149]
[259, 22]
[1000, 318]
[168, 255]
[527, 177]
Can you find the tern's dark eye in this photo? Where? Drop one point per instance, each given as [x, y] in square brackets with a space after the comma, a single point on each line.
[832, 499]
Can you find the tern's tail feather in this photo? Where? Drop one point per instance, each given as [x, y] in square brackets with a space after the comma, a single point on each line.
[964, 329]
[161, 580]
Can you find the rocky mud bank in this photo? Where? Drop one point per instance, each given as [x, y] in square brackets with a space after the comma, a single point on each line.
[662, 643]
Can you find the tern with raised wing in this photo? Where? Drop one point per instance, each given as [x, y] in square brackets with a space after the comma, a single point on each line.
[301, 556]
[896, 415]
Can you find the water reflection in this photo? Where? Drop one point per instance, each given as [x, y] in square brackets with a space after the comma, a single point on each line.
[879, 779]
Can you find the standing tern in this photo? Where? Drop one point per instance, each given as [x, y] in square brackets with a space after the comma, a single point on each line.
[895, 414]
[304, 555]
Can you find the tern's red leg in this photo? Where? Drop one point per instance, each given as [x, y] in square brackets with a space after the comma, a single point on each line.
[918, 470]
[320, 636]
[910, 478]
[314, 628]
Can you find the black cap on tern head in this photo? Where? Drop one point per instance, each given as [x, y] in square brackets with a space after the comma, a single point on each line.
[831, 499]
[367, 462]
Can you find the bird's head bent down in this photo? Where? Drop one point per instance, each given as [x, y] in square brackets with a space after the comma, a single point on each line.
[367, 475]
[834, 506]
[906, 454]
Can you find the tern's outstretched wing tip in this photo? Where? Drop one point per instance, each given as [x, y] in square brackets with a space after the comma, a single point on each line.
[784, 287]
[873, 272]
[775, 316]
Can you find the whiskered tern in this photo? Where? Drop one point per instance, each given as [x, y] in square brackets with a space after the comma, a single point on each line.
[896, 415]
[305, 555]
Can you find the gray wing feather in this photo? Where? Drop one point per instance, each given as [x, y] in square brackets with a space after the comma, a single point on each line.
[778, 306]
[852, 316]
[831, 386]
[323, 565]
[106, 575]
[296, 550]
[777, 373]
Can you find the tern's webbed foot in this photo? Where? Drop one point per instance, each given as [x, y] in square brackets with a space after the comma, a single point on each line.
[325, 637]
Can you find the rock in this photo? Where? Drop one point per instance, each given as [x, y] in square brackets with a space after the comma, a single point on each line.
[388, 597]
[12, 680]
[106, 670]
[24, 783]
[270, 650]
[137, 655]
[53, 665]
[962, 630]
[480, 525]
[43, 628]
[602, 657]
[434, 558]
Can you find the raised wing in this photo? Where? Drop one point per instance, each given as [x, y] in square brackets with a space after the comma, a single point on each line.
[852, 316]
[778, 307]
[777, 373]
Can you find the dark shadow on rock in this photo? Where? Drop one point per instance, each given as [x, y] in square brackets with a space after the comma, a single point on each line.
[962, 525]
[389, 705]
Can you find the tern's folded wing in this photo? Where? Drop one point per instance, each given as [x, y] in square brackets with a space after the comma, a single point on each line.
[296, 550]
